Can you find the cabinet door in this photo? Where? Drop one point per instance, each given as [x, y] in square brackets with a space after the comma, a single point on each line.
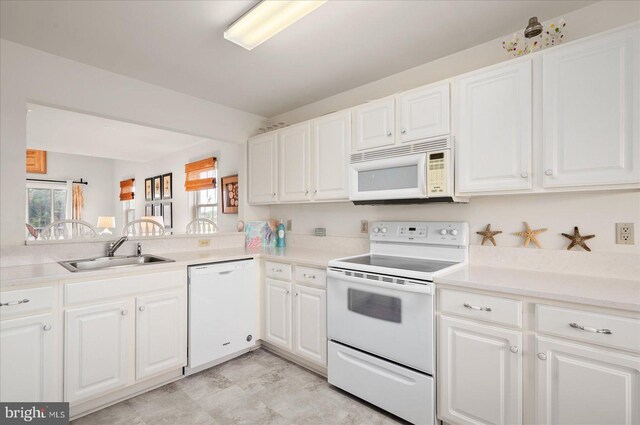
[161, 333]
[580, 385]
[28, 359]
[310, 324]
[96, 349]
[424, 113]
[480, 370]
[294, 173]
[374, 124]
[331, 141]
[262, 166]
[278, 313]
[591, 111]
[493, 129]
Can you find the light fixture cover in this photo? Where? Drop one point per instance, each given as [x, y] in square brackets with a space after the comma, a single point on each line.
[533, 29]
[106, 222]
[266, 19]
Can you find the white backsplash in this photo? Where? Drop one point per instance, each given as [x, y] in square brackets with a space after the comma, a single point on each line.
[51, 252]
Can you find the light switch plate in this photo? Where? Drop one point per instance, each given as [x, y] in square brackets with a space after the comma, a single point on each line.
[364, 226]
[202, 243]
[625, 233]
[289, 225]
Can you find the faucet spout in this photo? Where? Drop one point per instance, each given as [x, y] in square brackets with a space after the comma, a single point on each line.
[113, 246]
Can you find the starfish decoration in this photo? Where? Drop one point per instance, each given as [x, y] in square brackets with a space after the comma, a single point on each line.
[488, 235]
[530, 235]
[578, 239]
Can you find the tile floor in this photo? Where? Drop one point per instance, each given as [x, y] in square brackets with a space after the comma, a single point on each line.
[254, 389]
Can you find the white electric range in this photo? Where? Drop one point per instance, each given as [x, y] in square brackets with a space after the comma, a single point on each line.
[381, 315]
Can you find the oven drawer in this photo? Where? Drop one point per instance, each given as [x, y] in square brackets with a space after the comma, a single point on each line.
[277, 270]
[311, 276]
[603, 329]
[503, 311]
[396, 389]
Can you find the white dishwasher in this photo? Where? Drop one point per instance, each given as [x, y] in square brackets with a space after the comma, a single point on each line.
[223, 312]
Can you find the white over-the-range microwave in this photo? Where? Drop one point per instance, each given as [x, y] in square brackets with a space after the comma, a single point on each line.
[413, 173]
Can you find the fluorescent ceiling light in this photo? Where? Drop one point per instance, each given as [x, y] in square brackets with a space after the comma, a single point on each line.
[266, 19]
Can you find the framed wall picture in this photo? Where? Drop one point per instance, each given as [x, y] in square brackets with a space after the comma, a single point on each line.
[157, 188]
[167, 186]
[167, 215]
[148, 189]
[230, 197]
[148, 209]
[157, 210]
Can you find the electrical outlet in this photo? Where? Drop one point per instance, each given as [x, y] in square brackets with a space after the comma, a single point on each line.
[625, 234]
[364, 226]
[289, 225]
[203, 243]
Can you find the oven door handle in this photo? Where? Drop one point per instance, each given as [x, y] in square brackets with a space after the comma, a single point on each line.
[407, 287]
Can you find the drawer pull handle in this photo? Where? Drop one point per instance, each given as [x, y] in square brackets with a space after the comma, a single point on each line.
[46, 327]
[588, 329]
[513, 349]
[9, 303]
[542, 356]
[276, 270]
[309, 276]
[475, 307]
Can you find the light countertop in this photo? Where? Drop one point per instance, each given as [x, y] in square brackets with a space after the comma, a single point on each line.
[597, 291]
[15, 276]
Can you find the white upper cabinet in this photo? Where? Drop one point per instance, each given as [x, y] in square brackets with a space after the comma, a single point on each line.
[374, 124]
[493, 129]
[331, 137]
[591, 111]
[262, 164]
[424, 113]
[294, 170]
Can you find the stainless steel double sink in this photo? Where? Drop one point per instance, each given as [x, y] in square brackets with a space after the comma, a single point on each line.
[99, 263]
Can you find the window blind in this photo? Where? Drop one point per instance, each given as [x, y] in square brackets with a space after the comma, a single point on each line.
[126, 189]
[199, 175]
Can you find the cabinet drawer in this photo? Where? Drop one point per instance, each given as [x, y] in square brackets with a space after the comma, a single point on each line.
[597, 328]
[23, 301]
[278, 270]
[311, 276]
[499, 310]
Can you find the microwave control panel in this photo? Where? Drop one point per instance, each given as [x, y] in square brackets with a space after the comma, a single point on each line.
[437, 171]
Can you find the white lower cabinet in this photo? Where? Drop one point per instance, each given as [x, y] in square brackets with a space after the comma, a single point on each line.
[28, 360]
[578, 384]
[161, 337]
[310, 320]
[278, 313]
[295, 315]
[96, 349]
[480, 373]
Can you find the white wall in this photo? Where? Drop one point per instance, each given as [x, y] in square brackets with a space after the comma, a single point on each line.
[593, 213]
[589, 20]
[98, 194]
[29, 75]
[229, 157]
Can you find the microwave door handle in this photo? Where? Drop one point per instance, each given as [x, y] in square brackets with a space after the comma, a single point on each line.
[407, 287]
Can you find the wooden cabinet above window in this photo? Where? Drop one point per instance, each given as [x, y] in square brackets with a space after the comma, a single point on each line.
[36, 161]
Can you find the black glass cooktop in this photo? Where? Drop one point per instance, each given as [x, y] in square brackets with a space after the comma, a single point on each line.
[402, 263]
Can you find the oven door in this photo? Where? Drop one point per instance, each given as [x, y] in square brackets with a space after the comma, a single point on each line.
[401, 177]
[390, 320]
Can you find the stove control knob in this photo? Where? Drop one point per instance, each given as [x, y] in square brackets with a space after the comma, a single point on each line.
[454, 232]
[383, 230]
[443, 232]
[376, 229]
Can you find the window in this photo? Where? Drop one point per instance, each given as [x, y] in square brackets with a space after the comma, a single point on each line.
[128, 211]
[205, 201]
[46, 203]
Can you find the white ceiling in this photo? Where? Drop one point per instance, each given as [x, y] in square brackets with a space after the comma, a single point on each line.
[342, 45]
[58, 130]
